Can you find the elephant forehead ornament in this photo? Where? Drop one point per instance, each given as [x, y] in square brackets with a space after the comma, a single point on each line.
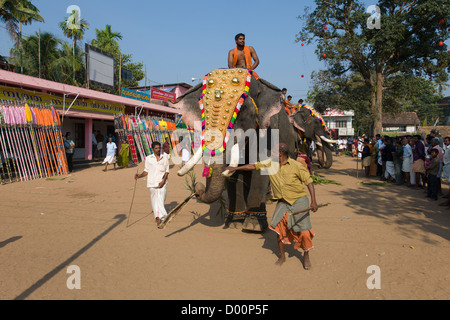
[223, 94]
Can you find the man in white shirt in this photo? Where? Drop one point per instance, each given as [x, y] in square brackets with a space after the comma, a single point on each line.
[111, 148]
[156, 170]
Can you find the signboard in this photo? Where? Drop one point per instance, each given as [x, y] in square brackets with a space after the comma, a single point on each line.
[137, 95]
[89, 105]
[162, 95]
[100, 67]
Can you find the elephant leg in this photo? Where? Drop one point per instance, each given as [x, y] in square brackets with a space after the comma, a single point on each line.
[256, 215]
[237, 206]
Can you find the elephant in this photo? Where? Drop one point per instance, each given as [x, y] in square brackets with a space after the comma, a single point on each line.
[261, 101]
[310, 126]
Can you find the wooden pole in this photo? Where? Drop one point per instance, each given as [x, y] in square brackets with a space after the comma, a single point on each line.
[39, 51]
[175, 211]
[306, 210]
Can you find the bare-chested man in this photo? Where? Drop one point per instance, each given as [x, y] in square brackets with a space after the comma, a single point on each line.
[241, 56]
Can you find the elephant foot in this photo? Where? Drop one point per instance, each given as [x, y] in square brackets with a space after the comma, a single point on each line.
[255, 223]
[234, 221]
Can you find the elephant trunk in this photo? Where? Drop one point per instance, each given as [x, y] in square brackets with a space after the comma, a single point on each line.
[214, 185]
[325, 156]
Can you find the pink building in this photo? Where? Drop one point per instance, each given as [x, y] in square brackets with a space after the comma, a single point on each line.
[83, 110]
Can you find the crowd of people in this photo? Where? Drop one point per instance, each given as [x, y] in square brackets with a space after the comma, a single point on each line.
[410, 160]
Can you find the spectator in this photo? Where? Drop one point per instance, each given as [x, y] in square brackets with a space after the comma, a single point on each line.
[388, 153]
[398, 156]
[69, 145]
[406, 161]
[432, 170]
[419, 161]
[366, 157]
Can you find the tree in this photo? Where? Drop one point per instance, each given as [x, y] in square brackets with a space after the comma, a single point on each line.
[14, 13]
[74, 27]
[49, 52]
[408, 42]
[107, 40]
[64, 63]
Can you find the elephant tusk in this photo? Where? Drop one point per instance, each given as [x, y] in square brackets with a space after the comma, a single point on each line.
[319, 143]
[234, 160]
[328, 140]
[191, 163]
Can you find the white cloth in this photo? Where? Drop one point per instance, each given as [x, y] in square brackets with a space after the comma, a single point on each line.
[156, 169]
[185, 155]
[407, 164]
[412, 175]
[100, 145]
[158, 198]
[390, 170]
[109, 159]
[446, 162]
[111, 149]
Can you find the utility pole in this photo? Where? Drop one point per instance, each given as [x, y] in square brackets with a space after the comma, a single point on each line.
[39, 51]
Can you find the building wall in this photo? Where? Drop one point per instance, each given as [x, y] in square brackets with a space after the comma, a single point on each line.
[77, 129]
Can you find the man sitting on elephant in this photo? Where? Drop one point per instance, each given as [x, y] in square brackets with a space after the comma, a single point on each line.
[241, 56]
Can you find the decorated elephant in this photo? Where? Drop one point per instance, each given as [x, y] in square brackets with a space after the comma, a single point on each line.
[311, 127]
[228, 100]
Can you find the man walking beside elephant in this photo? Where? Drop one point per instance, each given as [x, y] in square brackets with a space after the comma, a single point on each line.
[287, 178]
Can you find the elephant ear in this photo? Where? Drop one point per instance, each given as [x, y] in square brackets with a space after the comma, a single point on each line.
[188, 105]
[297, 121]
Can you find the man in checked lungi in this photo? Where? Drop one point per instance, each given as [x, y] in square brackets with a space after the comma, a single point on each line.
[287, 177]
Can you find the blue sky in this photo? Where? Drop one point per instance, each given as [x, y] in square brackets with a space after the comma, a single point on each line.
[180, 40]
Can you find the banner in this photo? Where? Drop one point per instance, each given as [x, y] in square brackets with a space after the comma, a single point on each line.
[137, 95]
[15, 94]
[162, 95]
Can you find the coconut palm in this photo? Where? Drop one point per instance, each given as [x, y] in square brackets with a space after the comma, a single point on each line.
[32, 61]
[107, 40]
[15, 13]
[74, 27]
[64, 63]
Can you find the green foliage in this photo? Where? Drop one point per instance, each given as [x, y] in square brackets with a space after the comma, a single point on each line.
[366, 67]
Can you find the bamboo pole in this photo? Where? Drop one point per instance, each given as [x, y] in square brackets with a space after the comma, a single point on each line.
[306, 210]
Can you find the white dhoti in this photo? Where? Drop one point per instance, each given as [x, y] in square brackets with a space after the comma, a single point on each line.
[446, 172]
[407, 164]
[390, 170]
[109, 160]
[158, 198]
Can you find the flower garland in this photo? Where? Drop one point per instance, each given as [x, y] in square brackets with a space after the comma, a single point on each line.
[317, 115]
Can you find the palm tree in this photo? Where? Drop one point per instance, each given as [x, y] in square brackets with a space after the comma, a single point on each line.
[74, 27]
[49, 52]
[64, 63]
[14, 13]
[107, 40]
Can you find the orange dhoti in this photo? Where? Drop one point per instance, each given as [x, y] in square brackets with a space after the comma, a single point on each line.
[293, 229]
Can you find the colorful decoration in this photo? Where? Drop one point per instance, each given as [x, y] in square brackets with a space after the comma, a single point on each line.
[219, 147]
[31, 143]
[317, 115]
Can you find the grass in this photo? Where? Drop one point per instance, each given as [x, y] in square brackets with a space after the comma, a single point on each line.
[322, 181]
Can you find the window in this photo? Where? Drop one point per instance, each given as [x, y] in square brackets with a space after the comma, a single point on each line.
[341, 124]
[79, 135]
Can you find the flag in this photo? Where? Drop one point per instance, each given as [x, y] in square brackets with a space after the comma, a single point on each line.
[437, 122]
[424, 123]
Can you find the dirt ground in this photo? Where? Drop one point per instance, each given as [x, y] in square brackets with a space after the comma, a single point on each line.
[47, 226]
